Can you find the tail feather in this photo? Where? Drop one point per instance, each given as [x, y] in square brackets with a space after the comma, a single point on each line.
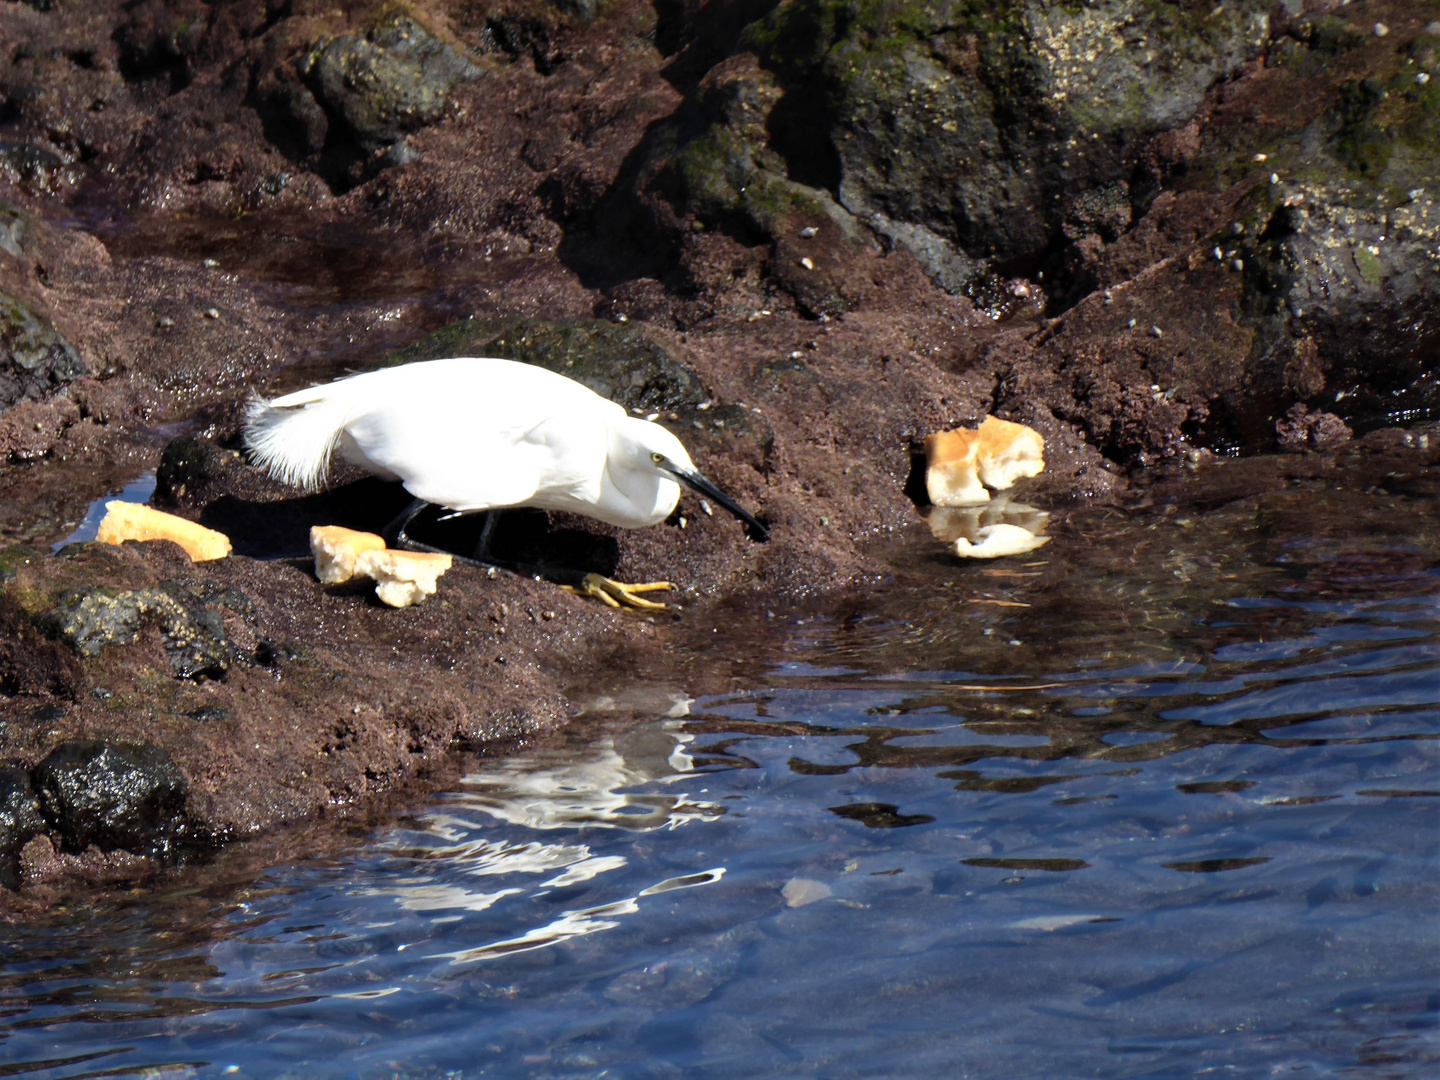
[293, 436]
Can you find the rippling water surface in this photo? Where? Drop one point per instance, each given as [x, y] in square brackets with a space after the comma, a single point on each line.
[1172, 814]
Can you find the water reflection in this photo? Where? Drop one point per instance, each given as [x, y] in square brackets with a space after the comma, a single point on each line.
[138, 490]
[1163, 817]
[555, 789]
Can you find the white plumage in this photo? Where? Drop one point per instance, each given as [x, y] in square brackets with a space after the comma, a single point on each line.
[474, 434]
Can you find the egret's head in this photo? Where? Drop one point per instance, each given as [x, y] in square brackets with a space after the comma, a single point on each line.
[658, 450]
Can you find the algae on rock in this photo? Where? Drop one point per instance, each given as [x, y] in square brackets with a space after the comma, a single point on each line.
[616, 361]
[196, 645]
[393, 79]
[972, 121]
[35, 359]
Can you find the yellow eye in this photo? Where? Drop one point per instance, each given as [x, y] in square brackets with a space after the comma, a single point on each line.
[657, 458]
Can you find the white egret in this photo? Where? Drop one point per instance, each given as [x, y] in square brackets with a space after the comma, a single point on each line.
[477, 434]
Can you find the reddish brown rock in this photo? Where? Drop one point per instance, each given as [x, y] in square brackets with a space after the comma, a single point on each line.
[204, 200]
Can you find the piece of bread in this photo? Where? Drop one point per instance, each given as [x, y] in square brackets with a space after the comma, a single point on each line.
[960, 464]
[402, 578]
[134, 521]
[952, 475]
[998, 540]
[1009, 452]
[336, 550]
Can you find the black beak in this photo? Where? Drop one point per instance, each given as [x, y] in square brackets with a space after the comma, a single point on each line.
[697, 483]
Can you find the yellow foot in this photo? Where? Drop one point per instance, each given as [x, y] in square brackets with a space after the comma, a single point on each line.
[617, 594]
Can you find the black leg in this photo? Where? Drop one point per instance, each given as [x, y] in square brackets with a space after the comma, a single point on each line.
[395, 535]
[481, 553]
[395, 531]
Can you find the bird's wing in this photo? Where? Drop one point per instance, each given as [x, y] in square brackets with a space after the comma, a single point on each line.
[476, 434]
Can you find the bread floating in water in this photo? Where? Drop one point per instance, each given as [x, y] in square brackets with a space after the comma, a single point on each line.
[961, 464]
[337, 549]
[994, 541]
[133, 521]
[402, 578]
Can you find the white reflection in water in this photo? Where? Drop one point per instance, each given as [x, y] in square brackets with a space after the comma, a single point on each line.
[547, 790]
[424, 895]
[555, 789]
[1051, 923]
[573, 924]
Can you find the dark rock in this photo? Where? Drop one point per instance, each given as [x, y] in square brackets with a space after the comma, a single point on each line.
[14, 229]
[618, 362]
[728, 173]
[712, 165]
[112, 795]
[161, 40]
[31, 665]
[35, 360]
[1302, 429]
[1337, 244]
[378, 86]
[14, 558]
[187, 464]
[29, 166]
[1002, 137]
[20, 819]
[581, 9]
[974, 123]
[90, 618]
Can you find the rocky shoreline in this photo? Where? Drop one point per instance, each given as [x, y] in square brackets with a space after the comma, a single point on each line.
[804, 236]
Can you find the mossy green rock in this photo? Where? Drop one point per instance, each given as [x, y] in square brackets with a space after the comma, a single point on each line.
[388, 81]
[13, 558]
[35, 359]
[90, 618]
[728, 174]
[616, 361]
[14, 230]
[1341, 252]
[973, 119]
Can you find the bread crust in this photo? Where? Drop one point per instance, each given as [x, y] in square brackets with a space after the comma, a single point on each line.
[135, 521]
[961, 464]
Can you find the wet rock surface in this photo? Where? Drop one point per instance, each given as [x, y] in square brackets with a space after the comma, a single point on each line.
[112, 795]
[802, 236]
[35, 361]
[20, 821]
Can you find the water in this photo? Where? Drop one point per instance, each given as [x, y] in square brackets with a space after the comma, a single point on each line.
[138, 490]
[1164, 806]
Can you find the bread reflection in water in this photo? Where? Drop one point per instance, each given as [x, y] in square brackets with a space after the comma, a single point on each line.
[951, 523]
